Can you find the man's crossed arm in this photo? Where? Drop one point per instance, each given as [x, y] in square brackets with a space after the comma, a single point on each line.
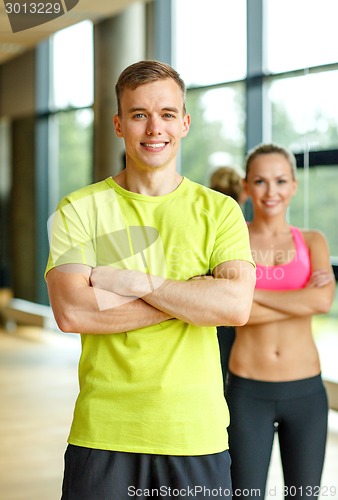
[108, 300]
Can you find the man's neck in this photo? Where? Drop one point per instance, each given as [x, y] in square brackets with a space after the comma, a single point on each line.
[154, 183]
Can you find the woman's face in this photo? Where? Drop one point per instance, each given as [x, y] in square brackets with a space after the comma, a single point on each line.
[270, 183]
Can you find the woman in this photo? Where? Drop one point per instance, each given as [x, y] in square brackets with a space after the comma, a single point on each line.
[274, 381]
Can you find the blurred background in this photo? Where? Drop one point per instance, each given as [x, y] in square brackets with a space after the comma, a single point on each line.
[256, 71]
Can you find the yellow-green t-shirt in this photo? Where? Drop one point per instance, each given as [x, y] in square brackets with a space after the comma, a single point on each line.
[157, 389]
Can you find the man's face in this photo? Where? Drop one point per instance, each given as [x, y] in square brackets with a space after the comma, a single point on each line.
[152, 124]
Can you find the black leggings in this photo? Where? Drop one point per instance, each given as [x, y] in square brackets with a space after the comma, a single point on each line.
[298, 412]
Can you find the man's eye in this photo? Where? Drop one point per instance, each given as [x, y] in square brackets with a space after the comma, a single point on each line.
[139, 115]
[169, 115]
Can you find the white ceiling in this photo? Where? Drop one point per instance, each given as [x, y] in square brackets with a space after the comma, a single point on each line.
[12, 44]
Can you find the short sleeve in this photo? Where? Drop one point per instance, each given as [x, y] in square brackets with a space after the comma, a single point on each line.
[232, 236]
[69, 241]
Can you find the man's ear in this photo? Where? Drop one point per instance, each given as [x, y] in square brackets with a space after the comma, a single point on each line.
[118, 126]
[186, 125]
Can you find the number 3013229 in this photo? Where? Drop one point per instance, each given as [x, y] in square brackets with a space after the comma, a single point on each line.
[33, 8]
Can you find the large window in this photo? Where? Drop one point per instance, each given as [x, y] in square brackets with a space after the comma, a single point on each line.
[287, 95]
[71, 118]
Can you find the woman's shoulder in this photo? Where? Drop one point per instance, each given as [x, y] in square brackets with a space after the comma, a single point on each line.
[312, 236]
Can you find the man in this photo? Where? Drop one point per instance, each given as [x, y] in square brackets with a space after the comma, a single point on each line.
[145, 265]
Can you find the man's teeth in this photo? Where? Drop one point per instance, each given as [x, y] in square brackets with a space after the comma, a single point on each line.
[155, 146]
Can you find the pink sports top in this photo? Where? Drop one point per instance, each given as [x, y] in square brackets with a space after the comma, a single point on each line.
[289, 276]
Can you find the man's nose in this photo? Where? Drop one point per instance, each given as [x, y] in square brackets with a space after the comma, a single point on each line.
[154, 126]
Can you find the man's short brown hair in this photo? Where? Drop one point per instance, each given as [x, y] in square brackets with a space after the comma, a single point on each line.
[143, 72]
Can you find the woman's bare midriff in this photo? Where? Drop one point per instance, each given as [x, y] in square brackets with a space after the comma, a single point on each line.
[277, 352]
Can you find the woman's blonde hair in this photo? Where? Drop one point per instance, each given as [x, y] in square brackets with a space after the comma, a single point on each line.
[228, 181]
[266, 149]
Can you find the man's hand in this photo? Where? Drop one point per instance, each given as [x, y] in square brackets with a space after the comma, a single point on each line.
[124, 281]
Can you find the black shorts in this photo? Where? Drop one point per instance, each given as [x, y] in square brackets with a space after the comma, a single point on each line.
[92, 474]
